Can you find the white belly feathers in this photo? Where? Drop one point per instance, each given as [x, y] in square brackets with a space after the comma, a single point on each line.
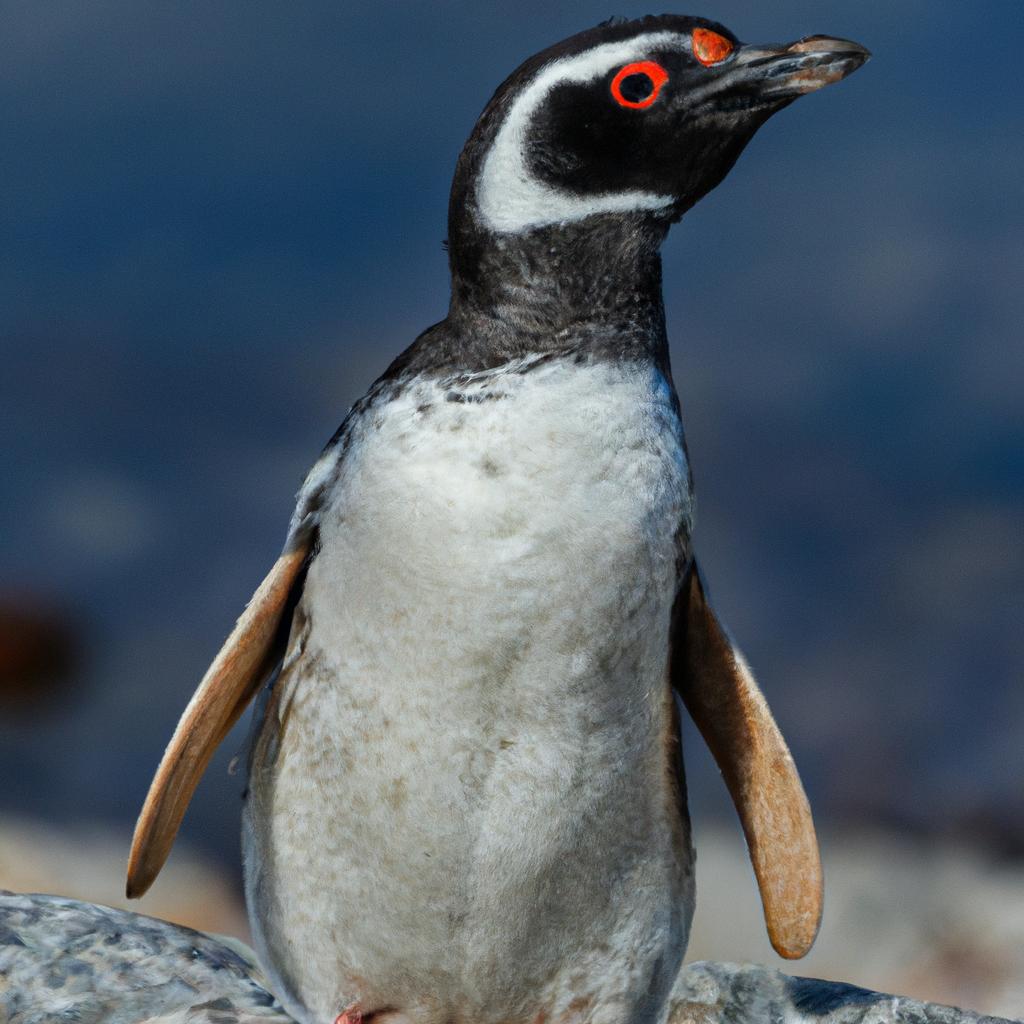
[462, 771]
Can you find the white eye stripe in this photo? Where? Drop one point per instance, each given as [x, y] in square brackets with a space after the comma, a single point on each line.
[508, 197]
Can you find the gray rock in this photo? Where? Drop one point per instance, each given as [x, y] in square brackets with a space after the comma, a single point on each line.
[65, 960]
[709, 992]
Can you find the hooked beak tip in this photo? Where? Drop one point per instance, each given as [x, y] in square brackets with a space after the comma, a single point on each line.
[820, 61]
[829, 44]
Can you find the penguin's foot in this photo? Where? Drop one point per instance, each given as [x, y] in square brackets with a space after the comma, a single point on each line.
[355, 1014]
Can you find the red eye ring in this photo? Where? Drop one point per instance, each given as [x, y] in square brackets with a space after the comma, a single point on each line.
[710, 47]
[655, 72]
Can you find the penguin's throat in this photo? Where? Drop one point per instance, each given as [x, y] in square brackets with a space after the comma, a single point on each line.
[605, 273]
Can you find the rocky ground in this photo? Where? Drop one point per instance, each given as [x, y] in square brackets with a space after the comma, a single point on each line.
[62, 959]
[938, 923]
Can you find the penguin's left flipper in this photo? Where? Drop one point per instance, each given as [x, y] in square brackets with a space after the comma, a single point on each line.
[720, 693]
[248, 656]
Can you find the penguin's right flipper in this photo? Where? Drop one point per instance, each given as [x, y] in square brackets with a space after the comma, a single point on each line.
[248, 656]
[723, 699]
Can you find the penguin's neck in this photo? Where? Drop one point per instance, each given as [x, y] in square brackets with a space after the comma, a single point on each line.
[591, 284]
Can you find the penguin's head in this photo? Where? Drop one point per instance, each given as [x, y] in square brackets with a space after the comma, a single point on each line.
[635, 119]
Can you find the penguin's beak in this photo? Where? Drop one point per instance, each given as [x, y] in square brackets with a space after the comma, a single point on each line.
[808, 64]
[767, 78]
[779, 73]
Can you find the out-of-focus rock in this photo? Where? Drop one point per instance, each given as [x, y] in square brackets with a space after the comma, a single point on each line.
[941, 922]
[89, 864]
[38, 651]
[65, 960]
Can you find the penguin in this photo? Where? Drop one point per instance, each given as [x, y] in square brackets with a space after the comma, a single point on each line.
[466, 799]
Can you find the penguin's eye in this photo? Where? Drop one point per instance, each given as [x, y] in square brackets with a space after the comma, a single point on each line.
[709, 47]
[637, 85]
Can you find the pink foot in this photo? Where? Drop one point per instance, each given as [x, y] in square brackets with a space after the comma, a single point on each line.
[351, 1015]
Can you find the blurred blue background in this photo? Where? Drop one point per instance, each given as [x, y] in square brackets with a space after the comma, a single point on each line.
[220, 221]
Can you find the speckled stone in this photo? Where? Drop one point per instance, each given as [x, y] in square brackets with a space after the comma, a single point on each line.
[63, 960]
[718, 993]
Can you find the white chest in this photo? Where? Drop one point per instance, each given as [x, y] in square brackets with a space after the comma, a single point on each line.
[546, 478]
